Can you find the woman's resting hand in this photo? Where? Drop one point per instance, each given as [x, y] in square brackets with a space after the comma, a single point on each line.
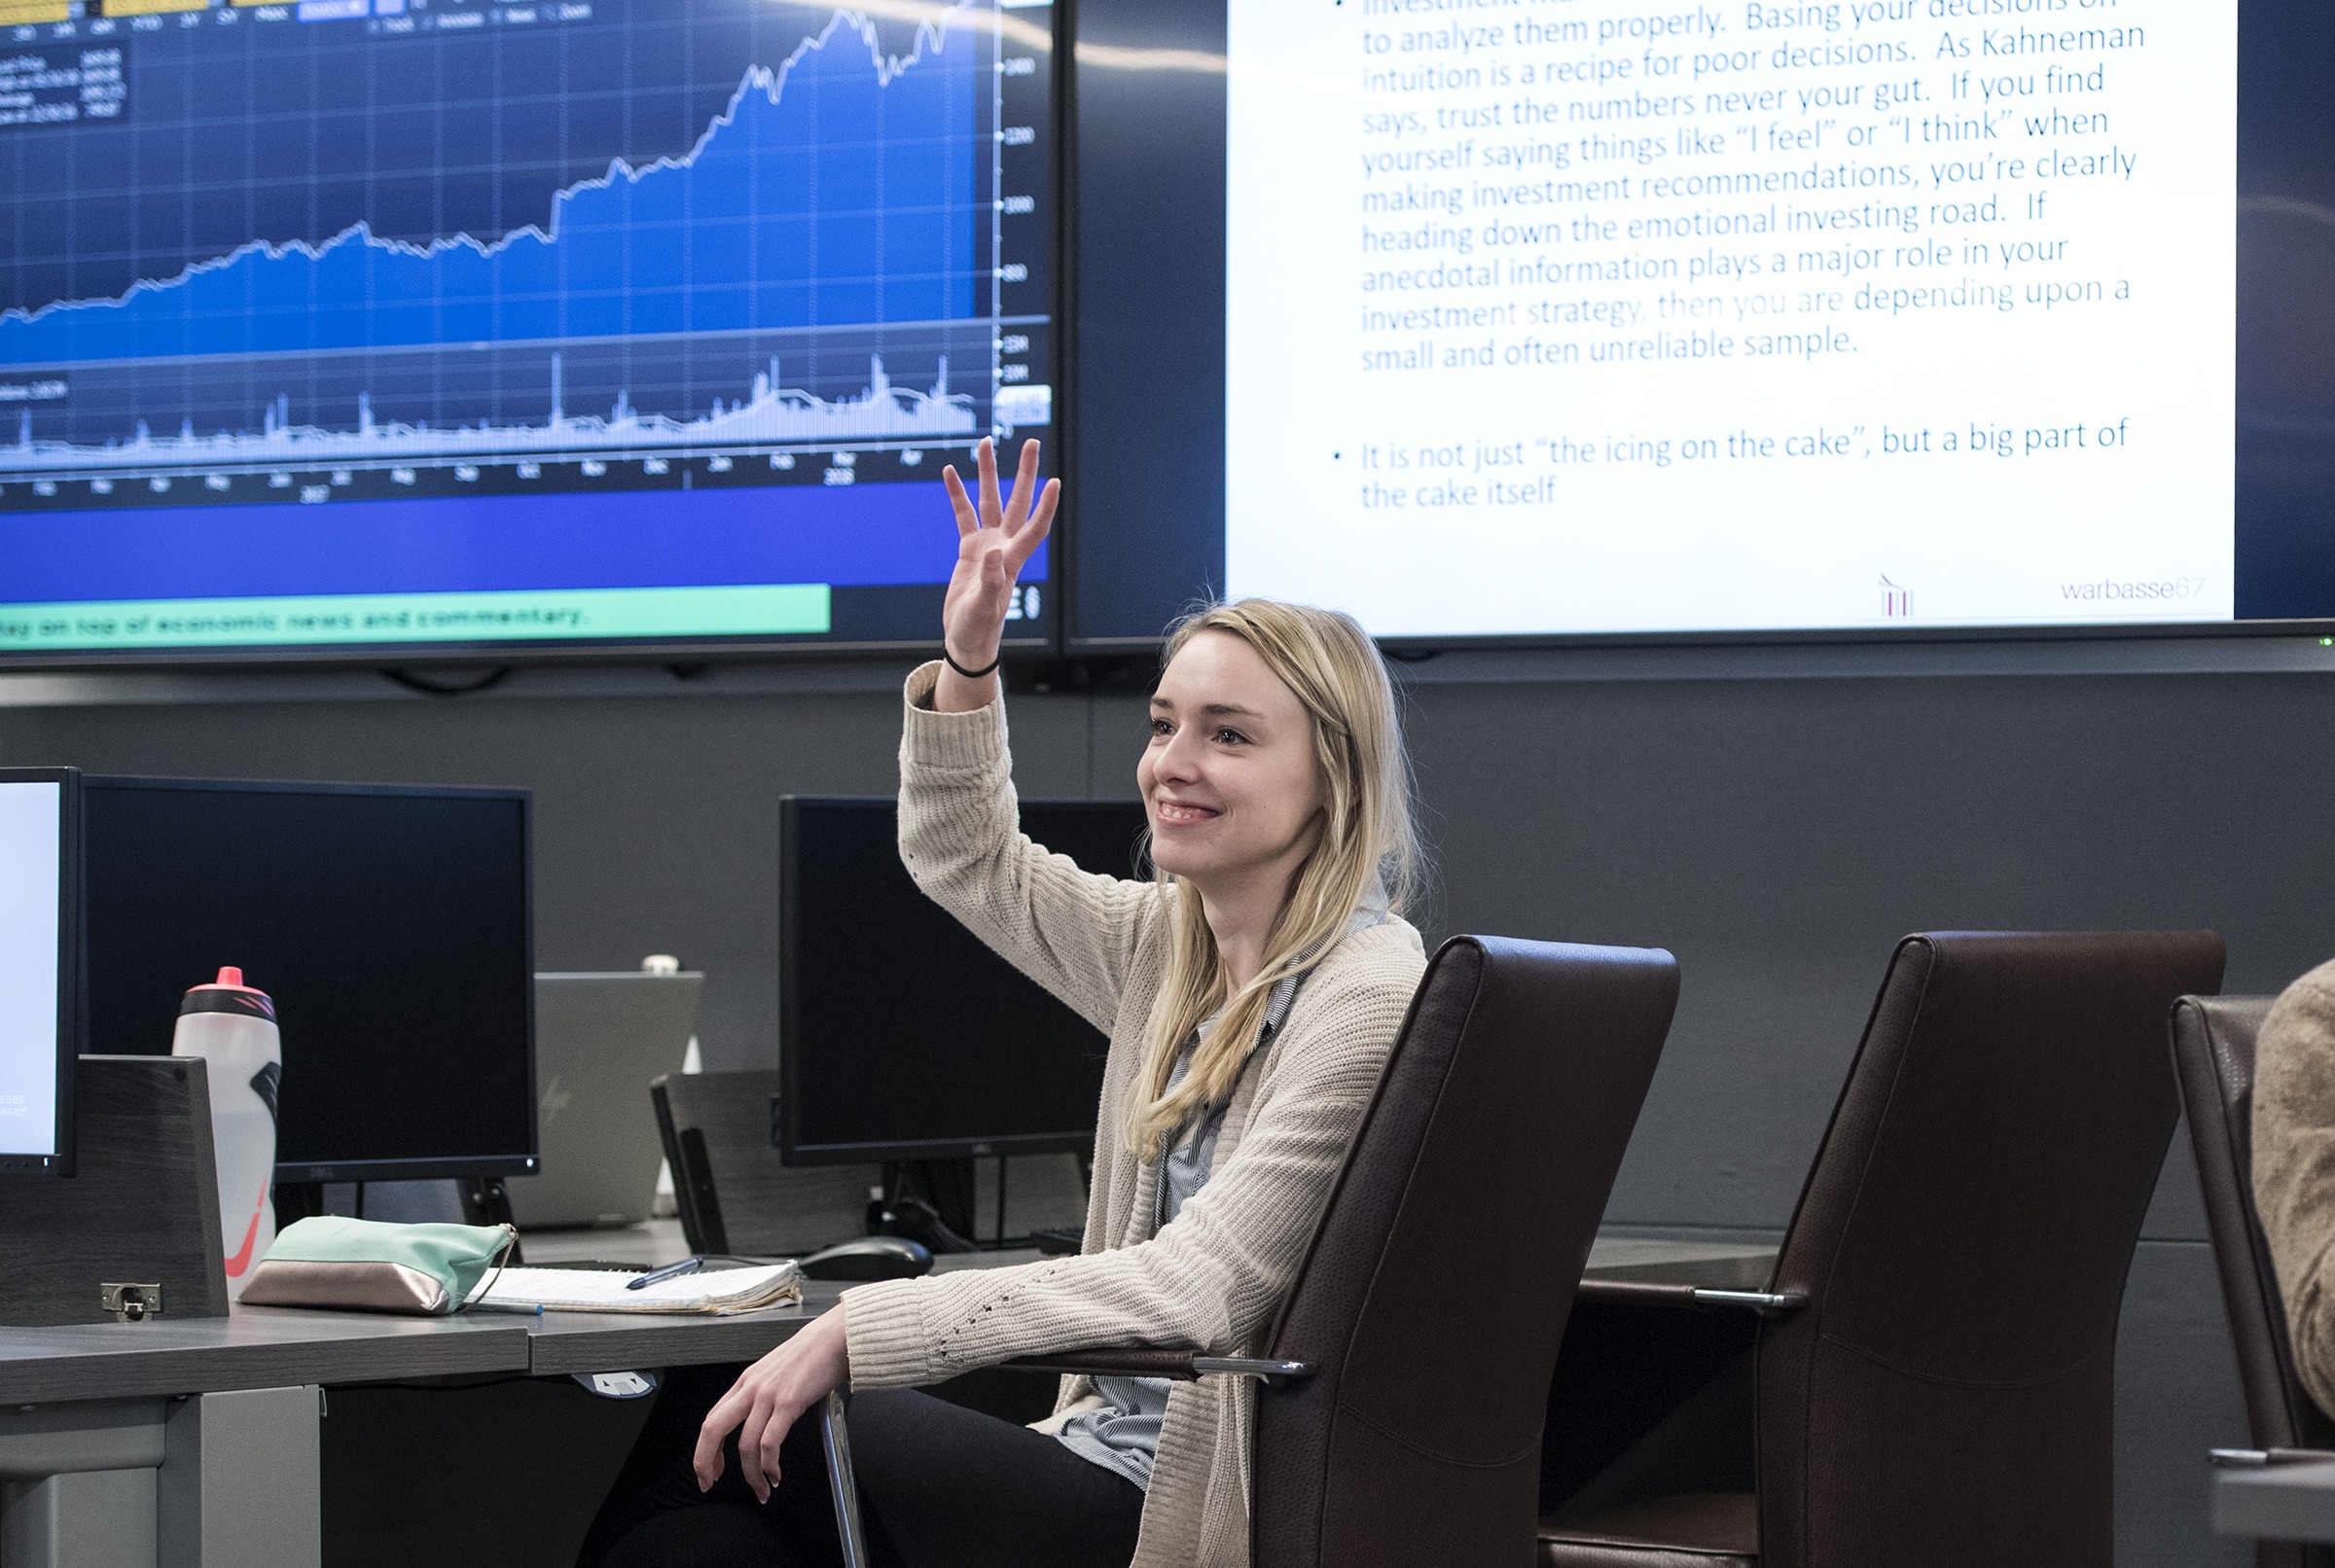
[768, 1398]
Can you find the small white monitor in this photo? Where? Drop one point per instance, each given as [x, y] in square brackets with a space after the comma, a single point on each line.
[39, 965]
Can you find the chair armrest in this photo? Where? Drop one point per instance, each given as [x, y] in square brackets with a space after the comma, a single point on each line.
[1178, 1366]
[1268, 1368]
[1644, 1292]
[1171, 1363]
[1766, 1304]
[2260, 1458]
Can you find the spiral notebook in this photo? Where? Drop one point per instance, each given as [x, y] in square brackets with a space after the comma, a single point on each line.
[717, 1292]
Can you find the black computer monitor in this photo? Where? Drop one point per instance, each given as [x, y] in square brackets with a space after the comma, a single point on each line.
[40, 965]
[900, 1035]
[391, 926]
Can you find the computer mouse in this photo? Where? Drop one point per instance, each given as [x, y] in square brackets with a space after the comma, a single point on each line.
[869, 1258]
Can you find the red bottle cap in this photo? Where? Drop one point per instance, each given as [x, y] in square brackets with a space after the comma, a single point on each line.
[228, 994]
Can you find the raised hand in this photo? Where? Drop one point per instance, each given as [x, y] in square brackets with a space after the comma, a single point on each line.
[995, 538]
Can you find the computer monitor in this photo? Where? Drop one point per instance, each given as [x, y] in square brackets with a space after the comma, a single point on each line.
[445, 325]
[40, 965]
[391, 926]
[900, 1035]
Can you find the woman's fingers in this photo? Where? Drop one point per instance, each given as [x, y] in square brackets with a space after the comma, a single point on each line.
[1025, 487]
[769, 1397]
[1041, 516]
[750, 1465]
[707, 1464]
[759, 1442]
[1021, 545]
[967, 519]
[773, 1439]
[1024, 505]
[720, 1421]
[984, 458]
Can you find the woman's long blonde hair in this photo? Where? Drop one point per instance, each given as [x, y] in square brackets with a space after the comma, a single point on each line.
[1367, 837]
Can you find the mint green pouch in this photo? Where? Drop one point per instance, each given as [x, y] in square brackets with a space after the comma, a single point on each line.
[373, 1266]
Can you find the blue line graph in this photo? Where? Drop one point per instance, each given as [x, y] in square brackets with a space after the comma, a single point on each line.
[833, 190]
[482, 296]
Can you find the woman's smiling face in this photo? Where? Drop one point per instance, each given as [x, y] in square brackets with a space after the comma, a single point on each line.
[1229, 782]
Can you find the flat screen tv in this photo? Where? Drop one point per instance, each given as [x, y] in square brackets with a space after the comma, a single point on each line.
[1840, 319]
[347, 328]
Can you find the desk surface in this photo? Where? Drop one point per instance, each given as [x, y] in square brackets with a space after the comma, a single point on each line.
[1721, 1265]
[607, 1341]
[252, 1348]
[2276, 1503]
[268, 1347]
[1725, 1265]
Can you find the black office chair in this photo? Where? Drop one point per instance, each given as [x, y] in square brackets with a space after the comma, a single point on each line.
[1934, 1357]
[2214, 1052]
[1432, 1299]
[733, 1193]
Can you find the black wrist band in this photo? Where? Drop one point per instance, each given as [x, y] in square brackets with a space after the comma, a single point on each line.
[989, 669]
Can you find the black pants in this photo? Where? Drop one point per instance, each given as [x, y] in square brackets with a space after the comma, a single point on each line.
[938, 1485]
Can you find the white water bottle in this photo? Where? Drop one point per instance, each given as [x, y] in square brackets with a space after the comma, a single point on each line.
[232, 1028]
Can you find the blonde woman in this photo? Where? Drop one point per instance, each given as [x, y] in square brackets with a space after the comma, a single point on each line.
[1252, 994]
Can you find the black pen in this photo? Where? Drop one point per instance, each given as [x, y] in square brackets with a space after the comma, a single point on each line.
[656, 1276]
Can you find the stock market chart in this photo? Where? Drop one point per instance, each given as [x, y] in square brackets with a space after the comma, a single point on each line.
[383, 323]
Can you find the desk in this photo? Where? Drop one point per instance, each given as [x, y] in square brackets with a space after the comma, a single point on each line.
[254, 1347]
[567, 1342]
[193, 1444]
[1723, 1266]
[1718, 1265]
[2276, 1503]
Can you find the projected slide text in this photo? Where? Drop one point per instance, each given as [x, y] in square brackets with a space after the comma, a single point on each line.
[1583, 316]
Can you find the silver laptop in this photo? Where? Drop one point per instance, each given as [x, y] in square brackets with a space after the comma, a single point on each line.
[598, 1041]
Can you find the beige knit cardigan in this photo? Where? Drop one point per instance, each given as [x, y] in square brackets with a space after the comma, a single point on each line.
[1212, 1280]
[2294, 1167]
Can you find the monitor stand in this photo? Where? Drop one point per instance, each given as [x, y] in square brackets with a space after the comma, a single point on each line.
[930, 1200]
[297, 1200]
[487, 1201]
